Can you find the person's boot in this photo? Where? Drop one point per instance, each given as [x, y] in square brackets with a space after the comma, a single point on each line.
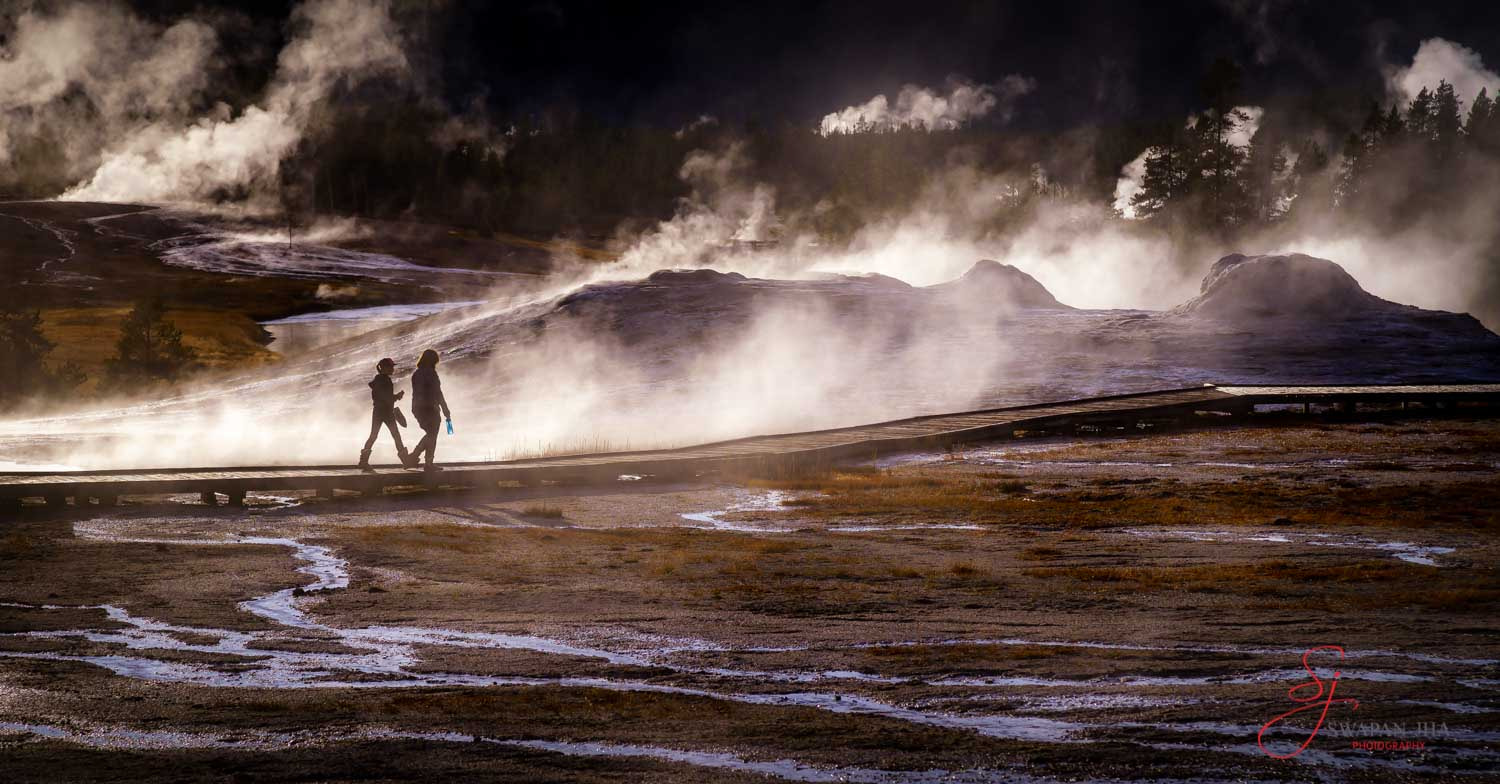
[364, 461]
[407, 459]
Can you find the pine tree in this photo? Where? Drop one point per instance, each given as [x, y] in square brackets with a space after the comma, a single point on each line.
[1352, 172]
[1168, 173]
[1220, 161]
[1446, 120]
[1490, 127]
[1366, 151]
[1394, 127]
[1481, 117]
[1265, 178]
[150, 347]
[23, 352]
[1419, 115]
[22, 348]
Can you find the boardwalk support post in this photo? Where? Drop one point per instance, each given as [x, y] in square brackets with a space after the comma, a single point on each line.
[209, 498]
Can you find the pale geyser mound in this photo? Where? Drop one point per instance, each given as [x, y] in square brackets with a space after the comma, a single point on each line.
[1003, 285]
[1298, 288]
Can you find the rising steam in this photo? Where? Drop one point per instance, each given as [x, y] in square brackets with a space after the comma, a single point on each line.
[86, 73]
[123, 106]
[1438, 59]
[928, 109]
[336, 42]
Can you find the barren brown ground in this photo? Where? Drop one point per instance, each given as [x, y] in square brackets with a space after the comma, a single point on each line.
[1121, 608]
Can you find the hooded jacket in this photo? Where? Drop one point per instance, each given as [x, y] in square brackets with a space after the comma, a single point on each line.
[382, 394]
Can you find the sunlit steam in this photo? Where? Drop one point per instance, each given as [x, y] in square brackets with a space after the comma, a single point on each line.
[1440, 60]
[337, 42]
[928, 109]
[83, 74]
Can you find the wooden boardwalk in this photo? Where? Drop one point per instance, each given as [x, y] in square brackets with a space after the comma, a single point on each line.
[1135, 412]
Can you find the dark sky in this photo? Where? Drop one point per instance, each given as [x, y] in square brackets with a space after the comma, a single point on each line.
[1094, 61]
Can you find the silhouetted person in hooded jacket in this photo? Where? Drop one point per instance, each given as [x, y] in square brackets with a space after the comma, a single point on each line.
[426, 400]
[383, 397]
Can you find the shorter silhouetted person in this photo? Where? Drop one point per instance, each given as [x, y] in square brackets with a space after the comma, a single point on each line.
[426, 401]
[383, 397]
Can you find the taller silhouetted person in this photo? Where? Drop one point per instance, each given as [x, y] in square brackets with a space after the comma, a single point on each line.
[426, 400]
[383, 397]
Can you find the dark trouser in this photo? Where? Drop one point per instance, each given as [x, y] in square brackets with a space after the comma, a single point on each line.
[387, 418]
[430, 423]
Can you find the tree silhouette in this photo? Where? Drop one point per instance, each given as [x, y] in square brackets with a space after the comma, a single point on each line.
[1446, 121]
[1481, 126]
[1220, 158]
[1419, 115]
[150, 347]
[1363, 151]
[1265, 179]
[23, 352]
[1169, 171]
[1220, 162]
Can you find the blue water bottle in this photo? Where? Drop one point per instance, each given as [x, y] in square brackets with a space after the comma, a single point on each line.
[450, 426]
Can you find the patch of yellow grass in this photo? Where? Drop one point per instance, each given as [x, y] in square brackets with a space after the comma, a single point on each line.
[88, 338]
[427, 536]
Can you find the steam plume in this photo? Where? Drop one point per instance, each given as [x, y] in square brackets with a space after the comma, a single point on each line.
[84, 73]
[336, 42]
[1438, 59]
[120, 108]
[927, 109]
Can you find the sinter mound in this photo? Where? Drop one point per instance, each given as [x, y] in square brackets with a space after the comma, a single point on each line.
[1002, 284]
[1294, 285]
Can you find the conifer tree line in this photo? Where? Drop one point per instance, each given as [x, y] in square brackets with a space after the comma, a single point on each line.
[569, 175]
[1403, 161]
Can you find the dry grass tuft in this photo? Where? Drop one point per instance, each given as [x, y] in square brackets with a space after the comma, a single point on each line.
[930, 496]
[965, 569]
[1366, 584]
